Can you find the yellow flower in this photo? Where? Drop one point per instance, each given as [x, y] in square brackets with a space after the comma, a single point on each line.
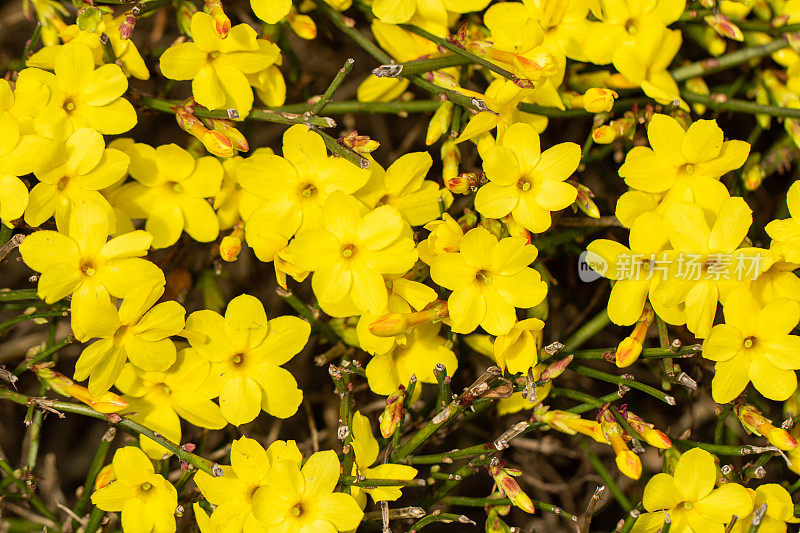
[80, 95]
[83, 264]
[218, 67]
[635, 270]
[777, 281]
[271, 11]
[88, 167]
[697, 153]
[431, 15]
[518, 350]
[403, 185]
[232, 493]
[170, 192]
[780, 510]
[147, 500]
[502, 98]
[130, 60]
[293, 188]
[232, 203]
[526, 182]
[246, 352]
[691, 500]
[423, 349]
[444, 237]
[353, 251]
[142, 337]
[785, 234]
[158, 398]
[488, 279]
[705, 263]
[754, 344]
[366, 449]
[303, 499]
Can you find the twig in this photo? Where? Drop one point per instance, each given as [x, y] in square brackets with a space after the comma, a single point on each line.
[98, 462]
[317, 108]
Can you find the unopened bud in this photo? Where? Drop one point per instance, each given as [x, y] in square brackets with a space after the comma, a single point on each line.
[753, 173]
[451, 158]
[222, 24]
[464, 183]
[584, 200]
[756, 423]
[652, 436]
[629, 464]
[127, 26]
[630, 348]
[723, 26]
[183, 15]
[227, 128]
[302, 25]
[392, 413]
[556, 369]
[104, 477]
[231, 245]
[398, 323]
[509, 486]
[598, 100]
[440, 122]
[108, 402]
[515, 229]
[359, 143]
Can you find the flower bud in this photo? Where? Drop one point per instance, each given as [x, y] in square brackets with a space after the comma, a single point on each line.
[226, 127]
[398, 323]
[753, 173]
[598, 100]
[302, 25]
[451, 158]
[108, 402]
[509, 486]
[183, 14]
[630, 348]
[440, 122]
[652, 436]
[392, 413]
[104, 477]
[556, 369]
[126, 28]
[464, 183]
[360, 143]
[627, 461]
[756, 423]
[584, 200]
[231, 245]
[723, 26]
[222, 24]
[699, 86]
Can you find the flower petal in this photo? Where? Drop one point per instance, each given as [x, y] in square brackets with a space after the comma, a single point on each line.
[695, 475]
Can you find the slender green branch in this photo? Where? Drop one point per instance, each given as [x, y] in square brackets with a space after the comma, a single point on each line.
[129, 425]
[663, 341]
[94, 520]
[591, 328]
[44, 354]
[719, 449]
[98, 462]
[263, 115]
[32, 43]
[21, 294]
[108, 50]
[719, 428]
[354, 106]
[619, 380]
[441, 517]
[444, 43]
[448, 457]
[420, 66]
[300, 307]
[317, 108]
[34, 498]
[491, 502]
[448, 486]
[33, 316]
[343, 151]
[609, 481]
[722, 103]
[726, 61]
[647, 353]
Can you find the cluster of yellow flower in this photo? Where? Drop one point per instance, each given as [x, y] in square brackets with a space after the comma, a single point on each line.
[386, 261]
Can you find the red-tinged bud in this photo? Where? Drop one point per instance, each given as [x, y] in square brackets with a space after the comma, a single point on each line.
[392, 413]
[494, 524]
[627, 461]
[515, 229]
[217, 144]
[584, 200]
[629, 464]
[753, 173]
[302, 25]
[359, 143]
[605, 134]
[708, 4]
[227, 128]
[464, 183]
[468, 220]
[222, 24]
[108, 402]
[509, 486]
[723, 26]
[127, 26]
[184, 13]
[652, 436]
[756, 423]
[780, 438]
[556, 369]
[442, 79]
[104, 477]
[451, 159]
[598, 100]
[630, 348]
[231, 245]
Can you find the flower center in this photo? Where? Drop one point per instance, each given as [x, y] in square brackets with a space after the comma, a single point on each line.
[69, 106]
[145, 486]
[213, 55]
[175, 186]
[484, 277]
[348, 251]
[297, 510]
[238, 359]
[524, 184]
[688, 505]
[749, 342]
[309, 191]
[630, 27]
[688, 168]
[88, 269]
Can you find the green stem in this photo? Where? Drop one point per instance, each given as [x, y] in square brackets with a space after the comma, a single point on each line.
[5, 235]
[726, 61]
[129, 425]
[262, 115]
[34, 498]
[598, 465]
[94, 520]
[619, 380]
[444, 43]
[300, 307]
[22, 318]
[647, 353]
[743, 106]
[449, 413]
[663, 341]
[359, 482]
[420, 66]
[591, 328]
[108, 50]
[354, 106]
[98, 462]
[441, 517]
[629, 522]
[719, 449]
[445, 395]
[146, 6]
[32, 43]
[448, 457]
[21, 294]
[491, 502]
[719, 428]
[317, 108]
[44, 354]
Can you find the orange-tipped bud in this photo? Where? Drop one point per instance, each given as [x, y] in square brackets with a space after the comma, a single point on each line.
[598, 100]
[753, 173]
[627, 461]
[515, 229]
[584, 200]
[442, 79]
[222, 24]
[723, 26]
[398, 323]
[451, 158]
[360, 143]
[509, 486]
[104, 477]
[213, 141]
[302, 25]
[556, 369]
[217, 143]
[756, 423]
[652, 436]
[392, 413]
[630, 348]
[227, 128]
[464, 183]
[629, 464]
[184, 13]
[231, 245]
[605, 134]
[108, 402]
[440, 122]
